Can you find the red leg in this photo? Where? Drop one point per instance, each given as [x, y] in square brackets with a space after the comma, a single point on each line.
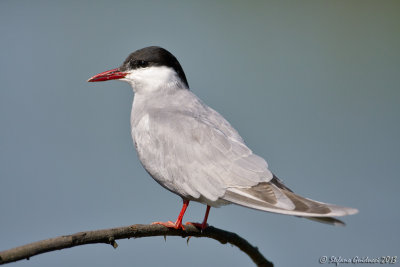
[204, 224]
[178, 223]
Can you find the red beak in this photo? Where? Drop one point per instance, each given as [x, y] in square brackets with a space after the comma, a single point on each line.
[113, 74]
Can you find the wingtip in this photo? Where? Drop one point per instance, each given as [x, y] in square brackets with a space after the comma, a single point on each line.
[353, 211]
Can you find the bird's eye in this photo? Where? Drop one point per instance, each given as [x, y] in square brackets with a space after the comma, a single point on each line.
[139, 64]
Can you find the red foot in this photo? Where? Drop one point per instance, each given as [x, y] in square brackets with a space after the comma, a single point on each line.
[178, 223]
[169, 224]
[202, 226]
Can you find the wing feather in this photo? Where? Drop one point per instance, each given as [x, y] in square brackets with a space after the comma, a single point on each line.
[194, 152]
[274, 196]
[196, 156]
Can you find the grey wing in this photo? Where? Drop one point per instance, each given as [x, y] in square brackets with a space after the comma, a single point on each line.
[202, 157]
[197, 159]
[274, 196]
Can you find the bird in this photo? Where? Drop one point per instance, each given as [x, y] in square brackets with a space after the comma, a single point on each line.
[193, 151]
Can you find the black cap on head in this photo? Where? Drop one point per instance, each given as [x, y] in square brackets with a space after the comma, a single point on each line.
[153, 56]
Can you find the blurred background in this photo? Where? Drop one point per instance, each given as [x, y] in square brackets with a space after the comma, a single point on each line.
[312, 86]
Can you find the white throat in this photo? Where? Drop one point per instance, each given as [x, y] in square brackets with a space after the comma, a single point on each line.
[154, 78]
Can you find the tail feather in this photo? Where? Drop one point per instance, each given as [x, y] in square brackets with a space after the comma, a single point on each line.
[327, 220]
[274, 196]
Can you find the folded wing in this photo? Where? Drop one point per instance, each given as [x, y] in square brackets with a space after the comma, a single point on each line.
[274, 196]
[200, 156]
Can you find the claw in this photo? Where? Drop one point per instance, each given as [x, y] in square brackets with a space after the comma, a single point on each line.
[178, 224]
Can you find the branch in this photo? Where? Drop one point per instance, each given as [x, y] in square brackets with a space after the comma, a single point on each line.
[108, 236]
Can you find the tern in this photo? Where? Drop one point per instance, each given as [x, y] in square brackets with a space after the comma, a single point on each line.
[193, 151]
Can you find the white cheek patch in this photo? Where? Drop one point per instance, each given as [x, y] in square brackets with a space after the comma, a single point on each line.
[151, 78]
